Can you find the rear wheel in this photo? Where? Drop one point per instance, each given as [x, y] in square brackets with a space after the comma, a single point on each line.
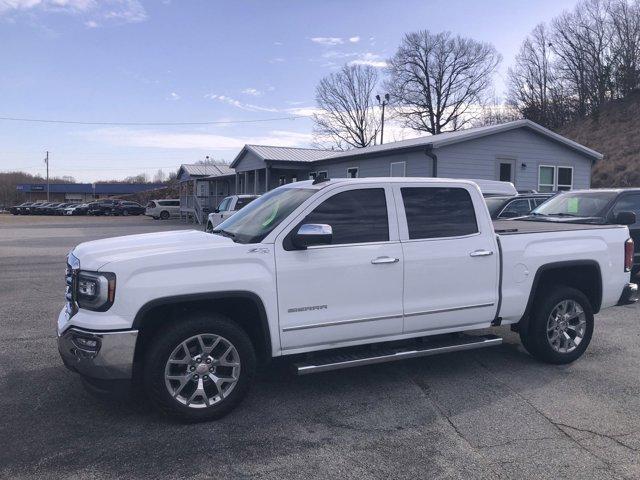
[164, 215]
[199, 369]
[560, 327]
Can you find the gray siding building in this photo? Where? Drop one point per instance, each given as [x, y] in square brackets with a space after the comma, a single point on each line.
[522, 152]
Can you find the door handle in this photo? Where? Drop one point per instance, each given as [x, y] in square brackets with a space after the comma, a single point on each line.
[480, 253]
[379, 260]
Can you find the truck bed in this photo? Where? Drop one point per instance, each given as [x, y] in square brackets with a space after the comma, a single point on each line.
[518, 227]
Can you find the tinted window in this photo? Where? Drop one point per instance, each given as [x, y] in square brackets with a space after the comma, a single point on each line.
[435, 212]
[356, 216]
[516, 208]
[242, 202]
[628, 203]
[173, 203]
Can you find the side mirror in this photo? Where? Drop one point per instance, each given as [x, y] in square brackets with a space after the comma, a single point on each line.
[311, 234]
[625, 218]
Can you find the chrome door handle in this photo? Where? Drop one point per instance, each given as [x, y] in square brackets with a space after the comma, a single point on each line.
[380, 260]
[480, 253]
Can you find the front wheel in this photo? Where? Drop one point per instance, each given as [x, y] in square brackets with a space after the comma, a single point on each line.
[199, 369]
[164, 215]
[560, 327]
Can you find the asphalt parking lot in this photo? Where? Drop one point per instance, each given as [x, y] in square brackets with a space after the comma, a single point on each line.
[493, 413]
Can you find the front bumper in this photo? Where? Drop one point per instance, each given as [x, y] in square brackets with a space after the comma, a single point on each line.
[629, 294]
[98, 355]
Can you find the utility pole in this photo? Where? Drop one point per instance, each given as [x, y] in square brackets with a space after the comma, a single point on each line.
[383, 104]
[46, 160]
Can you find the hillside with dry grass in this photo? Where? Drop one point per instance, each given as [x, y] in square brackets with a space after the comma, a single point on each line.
[614, 132]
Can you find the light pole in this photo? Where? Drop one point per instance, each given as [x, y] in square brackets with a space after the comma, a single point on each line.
[383, 103]
[46, 160]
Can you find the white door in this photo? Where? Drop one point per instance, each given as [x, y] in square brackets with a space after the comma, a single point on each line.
[348, 291]
[451, 258]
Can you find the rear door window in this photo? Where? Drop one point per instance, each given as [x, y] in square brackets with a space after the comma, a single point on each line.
[438, 212]
[628, 203]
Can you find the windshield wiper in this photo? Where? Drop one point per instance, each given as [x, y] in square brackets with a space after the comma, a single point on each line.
[224, 233]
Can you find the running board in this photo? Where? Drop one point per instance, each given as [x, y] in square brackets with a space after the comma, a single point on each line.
[324, 363]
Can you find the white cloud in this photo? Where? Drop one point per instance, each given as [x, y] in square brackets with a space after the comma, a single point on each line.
[355, 39]
[278, 44]
[371, 59]
[276, 60]
[194, 140]
[327, 41]
[93, 12]
[174, 96]
[252, 91]
[238, 104]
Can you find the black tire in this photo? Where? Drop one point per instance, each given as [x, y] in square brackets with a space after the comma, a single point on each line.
[164, 215]
[168, 340]
[208, 228]
[535, 337]
[125, 213]
[156, 218]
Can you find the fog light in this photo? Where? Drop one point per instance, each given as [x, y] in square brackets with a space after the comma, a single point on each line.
[87, 343]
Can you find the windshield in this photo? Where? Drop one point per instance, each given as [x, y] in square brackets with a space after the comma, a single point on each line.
[495, 203]
[579, 204]
[260, 217]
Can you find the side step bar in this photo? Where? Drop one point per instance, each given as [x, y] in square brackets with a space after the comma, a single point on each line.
[345, 359]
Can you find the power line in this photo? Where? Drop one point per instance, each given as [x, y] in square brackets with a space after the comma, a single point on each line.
[149, 124]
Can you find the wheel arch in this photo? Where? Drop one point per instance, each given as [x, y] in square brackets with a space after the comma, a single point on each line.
[584, 275]
[240, 306]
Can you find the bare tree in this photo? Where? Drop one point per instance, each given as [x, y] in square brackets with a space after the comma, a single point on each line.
[439, 81]
[625, 31]
[533, 86]
[348, 115]
[159, 177]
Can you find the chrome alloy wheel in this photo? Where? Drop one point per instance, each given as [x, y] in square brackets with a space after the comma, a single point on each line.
[566, 326]
[202, 370]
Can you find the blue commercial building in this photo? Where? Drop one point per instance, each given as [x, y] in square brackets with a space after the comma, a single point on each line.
[81, 192]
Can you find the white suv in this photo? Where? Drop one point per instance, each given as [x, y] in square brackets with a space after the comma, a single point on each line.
[163, 209]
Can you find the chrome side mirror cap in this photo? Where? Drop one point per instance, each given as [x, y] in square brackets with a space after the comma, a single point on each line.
[311, 234]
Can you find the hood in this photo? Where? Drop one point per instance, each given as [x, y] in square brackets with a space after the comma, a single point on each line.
[96, 254]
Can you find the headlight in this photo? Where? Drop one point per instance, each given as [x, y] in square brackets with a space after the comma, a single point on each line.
[96, 290]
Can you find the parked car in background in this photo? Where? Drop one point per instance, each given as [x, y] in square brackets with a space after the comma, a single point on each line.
[20, 209]
[38, 208]
[227, 207]
[127, 207]
[102, 207]
[511, 207]
[59, 210]
[597, 206]
[77, 209]
[163, 209]
[492, 188]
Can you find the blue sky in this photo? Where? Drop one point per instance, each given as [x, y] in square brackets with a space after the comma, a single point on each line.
[200, 61]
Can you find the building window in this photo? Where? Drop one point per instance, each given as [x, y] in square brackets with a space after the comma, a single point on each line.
[294, 179]
[282, 180]
[398, 169]
[352, 172]
[552, 178]
[565, 178]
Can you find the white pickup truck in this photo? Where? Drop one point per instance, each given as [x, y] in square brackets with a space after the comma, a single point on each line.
[321, 272]
[228, 207]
